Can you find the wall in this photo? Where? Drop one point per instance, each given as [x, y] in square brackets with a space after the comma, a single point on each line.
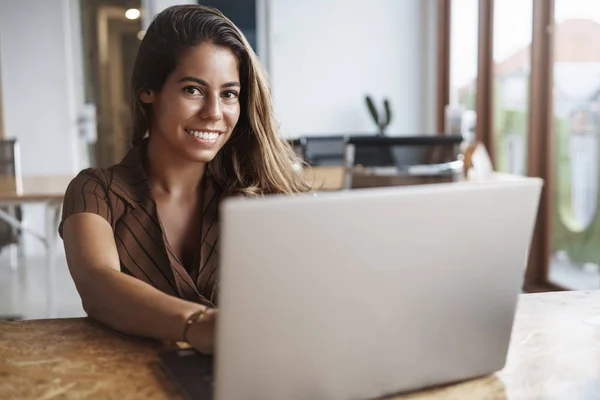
[41, 89]
[325, 56]
[35, 80]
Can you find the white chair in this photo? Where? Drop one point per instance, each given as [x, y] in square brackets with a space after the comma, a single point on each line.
[11, 216]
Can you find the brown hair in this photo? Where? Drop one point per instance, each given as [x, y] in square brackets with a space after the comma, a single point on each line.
[255, 160]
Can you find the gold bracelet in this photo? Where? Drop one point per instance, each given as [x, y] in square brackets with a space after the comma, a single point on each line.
[195, 317]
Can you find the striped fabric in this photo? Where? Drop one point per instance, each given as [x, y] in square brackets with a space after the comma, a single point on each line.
[122, 196]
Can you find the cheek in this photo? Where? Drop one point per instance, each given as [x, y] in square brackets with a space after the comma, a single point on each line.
[175, 110]
[232, 115]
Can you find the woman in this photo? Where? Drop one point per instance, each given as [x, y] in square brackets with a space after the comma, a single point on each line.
[141, 237]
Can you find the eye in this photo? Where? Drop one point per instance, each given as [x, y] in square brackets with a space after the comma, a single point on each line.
[193, 90]
[230, 94]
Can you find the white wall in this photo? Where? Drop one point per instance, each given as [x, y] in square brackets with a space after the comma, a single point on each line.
[38, 109]
[42, 87]
[326, 55]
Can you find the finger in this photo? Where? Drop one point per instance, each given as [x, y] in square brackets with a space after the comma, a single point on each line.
[208, 315]
[210, 311]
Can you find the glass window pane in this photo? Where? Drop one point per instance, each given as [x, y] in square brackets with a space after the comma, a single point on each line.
[576, 227]
[463, 52]
[512, 67]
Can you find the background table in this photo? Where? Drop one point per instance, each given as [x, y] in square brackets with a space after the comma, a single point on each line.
[49, 191]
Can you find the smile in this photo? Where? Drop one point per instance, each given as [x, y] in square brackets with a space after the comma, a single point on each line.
[205, 136]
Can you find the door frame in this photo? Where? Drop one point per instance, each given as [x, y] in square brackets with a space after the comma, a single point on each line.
[111, 144]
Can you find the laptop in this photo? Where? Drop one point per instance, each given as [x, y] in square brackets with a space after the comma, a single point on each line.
[364, 293]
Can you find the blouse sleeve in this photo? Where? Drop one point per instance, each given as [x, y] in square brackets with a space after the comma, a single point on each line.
[87, 192]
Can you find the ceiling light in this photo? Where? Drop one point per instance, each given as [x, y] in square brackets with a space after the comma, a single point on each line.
[132, 13]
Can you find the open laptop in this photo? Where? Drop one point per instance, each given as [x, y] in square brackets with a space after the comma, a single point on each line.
[365, 293]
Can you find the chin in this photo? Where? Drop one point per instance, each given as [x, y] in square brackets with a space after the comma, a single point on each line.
[201, 156]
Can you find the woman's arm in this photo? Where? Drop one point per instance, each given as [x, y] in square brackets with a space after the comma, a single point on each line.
[120, 301]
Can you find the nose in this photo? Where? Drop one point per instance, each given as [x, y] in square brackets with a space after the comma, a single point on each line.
[211, 108]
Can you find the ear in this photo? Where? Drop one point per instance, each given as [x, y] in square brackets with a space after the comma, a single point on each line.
[147, 96]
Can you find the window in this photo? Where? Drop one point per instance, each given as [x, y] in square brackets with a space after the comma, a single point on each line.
[512, 69]
[463, 52]
[545, 55]
[575, 257]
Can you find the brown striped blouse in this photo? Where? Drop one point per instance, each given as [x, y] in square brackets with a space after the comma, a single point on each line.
[121, 195]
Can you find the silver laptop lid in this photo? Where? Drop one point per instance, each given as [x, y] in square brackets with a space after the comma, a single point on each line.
[369, 292]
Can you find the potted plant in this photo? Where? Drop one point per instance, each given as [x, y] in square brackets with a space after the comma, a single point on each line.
[382, 121]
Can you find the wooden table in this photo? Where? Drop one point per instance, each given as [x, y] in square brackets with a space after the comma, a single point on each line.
[48, 191]
[554, 354]
[325, 178]
[34, 188]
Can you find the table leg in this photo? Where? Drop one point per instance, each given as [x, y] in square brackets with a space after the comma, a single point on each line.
[51, 225]
[14, 255]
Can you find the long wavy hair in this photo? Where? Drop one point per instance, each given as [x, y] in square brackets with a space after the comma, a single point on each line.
[255, 160]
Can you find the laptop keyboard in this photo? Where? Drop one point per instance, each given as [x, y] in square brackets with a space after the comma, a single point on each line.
[191, 371]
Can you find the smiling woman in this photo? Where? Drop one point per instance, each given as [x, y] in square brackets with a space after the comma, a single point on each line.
[198, 107]
[141, 237]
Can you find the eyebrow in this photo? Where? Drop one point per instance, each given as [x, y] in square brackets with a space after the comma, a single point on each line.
[204, 83]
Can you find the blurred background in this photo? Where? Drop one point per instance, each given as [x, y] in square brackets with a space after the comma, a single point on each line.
[520, 77]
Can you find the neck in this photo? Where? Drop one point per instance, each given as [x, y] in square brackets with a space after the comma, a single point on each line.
[169, 173]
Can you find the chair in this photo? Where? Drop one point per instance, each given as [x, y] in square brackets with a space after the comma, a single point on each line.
[373, 161]
[324, 150]
[11, 180]
[298, 144]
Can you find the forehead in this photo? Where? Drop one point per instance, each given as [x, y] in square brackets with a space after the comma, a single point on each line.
[207, 61]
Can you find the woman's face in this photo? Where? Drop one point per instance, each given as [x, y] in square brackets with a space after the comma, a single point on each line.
[198, 106]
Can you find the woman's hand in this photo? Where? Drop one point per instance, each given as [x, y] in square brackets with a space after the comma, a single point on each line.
[201, 334]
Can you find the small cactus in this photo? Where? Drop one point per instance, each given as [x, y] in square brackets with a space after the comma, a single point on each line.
[384, 121]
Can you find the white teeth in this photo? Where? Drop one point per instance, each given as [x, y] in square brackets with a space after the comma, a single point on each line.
[203, 135]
